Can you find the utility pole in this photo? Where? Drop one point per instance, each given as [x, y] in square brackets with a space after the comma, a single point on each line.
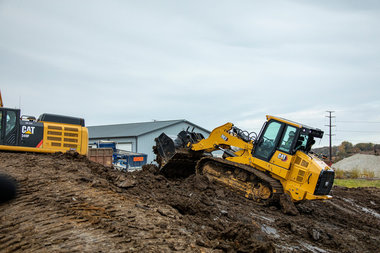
[330, 134]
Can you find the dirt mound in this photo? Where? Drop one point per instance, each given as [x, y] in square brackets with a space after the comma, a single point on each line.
[360, 162]
[67, 203]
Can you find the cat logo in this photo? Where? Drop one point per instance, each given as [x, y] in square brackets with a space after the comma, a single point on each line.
[27, 129]
[282, 157]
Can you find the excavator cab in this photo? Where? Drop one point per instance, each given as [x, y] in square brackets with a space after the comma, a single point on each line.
[9, 127]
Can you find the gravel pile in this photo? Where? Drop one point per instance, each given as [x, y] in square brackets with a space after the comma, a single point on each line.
[361, 162]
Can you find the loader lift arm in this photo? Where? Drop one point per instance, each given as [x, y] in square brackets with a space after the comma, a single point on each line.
[224, 137]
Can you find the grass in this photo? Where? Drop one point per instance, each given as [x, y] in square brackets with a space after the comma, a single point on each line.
[353, 183]
[354, 173]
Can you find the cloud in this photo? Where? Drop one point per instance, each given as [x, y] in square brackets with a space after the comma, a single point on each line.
[208, 62]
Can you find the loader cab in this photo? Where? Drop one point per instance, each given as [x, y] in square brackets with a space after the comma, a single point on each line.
[284, 136]
[10, 126]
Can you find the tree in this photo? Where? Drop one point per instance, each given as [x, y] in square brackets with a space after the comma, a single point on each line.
[345, 148]
[364, 146]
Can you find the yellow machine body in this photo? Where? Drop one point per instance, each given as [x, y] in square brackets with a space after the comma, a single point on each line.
[58, 137]
[299, 171]
[49, 134]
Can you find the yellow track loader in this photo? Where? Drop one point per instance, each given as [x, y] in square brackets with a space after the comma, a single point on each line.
[276, 162]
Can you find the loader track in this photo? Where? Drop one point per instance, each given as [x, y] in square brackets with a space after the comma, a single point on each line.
[252, 183]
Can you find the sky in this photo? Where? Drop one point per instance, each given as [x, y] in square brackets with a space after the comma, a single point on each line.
[209, 62]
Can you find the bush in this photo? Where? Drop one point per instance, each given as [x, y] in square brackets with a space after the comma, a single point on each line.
[354, 173]
[339, 173]
[368, 173]
[364, 146]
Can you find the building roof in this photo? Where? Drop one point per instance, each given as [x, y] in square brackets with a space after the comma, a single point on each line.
[133, 129]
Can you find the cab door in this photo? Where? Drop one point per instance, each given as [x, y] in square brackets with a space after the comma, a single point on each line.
[268, 141]
[1, 126]
[275, 146]
[10, 126]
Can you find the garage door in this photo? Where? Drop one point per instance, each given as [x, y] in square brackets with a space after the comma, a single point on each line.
[124, 146]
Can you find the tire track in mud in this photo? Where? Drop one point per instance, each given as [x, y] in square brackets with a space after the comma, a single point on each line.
[66, 203]
[57, 210]
[232, 223]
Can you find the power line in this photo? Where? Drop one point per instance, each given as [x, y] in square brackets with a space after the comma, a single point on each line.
[357, 131]
[356, 140]
[358, 121]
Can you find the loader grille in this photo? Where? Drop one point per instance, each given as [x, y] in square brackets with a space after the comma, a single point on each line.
[325, 182]
[300, 176]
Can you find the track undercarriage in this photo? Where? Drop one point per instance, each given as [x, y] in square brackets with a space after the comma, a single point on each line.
[251, 183]
[243, 179]
[176, 159]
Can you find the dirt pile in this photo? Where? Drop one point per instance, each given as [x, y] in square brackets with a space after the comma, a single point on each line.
[67, 203]
[361, 162]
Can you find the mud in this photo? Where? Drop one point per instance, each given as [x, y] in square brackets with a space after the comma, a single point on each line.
[67, 203]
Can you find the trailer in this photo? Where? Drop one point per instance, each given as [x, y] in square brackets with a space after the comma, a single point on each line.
[121, 159]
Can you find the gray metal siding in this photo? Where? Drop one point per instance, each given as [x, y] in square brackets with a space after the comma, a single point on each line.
[118, 140]
[133, 129]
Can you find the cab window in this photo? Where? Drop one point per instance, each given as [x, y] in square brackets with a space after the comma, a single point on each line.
[11, 122]
[267, 144]
[1, 122]
[303, 143]
[288, 139]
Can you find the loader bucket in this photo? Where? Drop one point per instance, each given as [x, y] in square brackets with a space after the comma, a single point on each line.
[174, 158]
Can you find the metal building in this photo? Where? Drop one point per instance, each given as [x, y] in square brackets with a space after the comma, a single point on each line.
[139, 137]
